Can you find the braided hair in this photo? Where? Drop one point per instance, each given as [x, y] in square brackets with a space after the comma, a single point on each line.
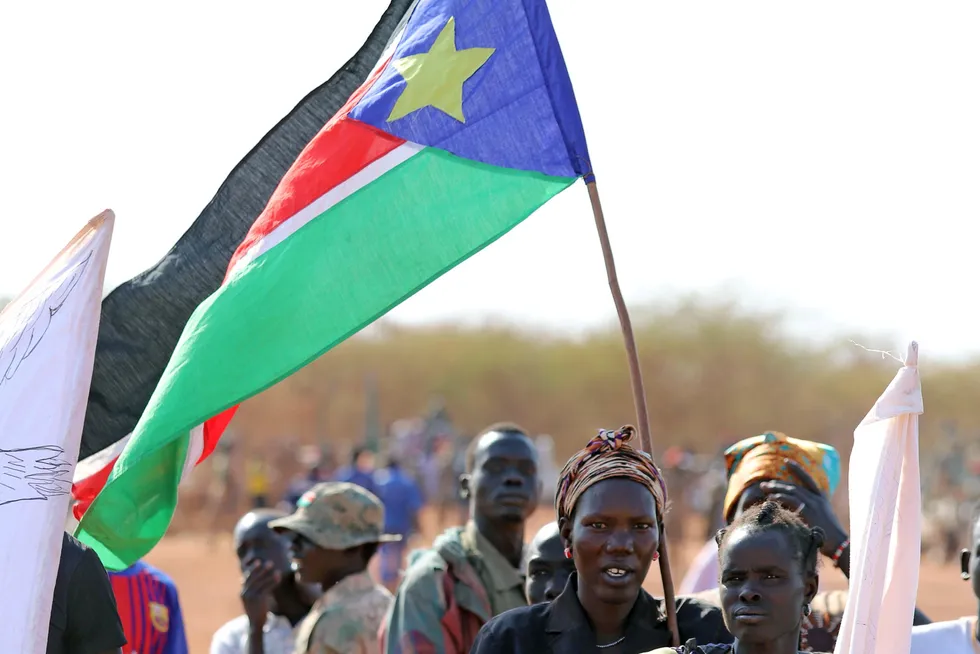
[771, 515]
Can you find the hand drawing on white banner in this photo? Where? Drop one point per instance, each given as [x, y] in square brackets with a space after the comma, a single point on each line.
[33, 473]
[35, 317]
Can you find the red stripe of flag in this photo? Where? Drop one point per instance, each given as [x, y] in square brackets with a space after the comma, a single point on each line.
[341, 149]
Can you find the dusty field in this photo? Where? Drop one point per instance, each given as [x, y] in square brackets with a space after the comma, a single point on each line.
[207, 577]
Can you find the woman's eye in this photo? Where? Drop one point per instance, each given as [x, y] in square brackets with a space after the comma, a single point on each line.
[597, 525]
[644, 525]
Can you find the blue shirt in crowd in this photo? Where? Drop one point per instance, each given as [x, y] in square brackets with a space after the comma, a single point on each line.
[402, 499]
[355, 476]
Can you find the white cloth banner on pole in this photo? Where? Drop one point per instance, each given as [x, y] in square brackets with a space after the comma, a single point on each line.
[886, 520]
[47, 350]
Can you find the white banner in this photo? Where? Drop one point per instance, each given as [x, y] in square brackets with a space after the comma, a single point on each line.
[886, 520]
[47, 350]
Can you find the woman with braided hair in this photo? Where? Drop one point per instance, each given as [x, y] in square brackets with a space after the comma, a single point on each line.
[610, 503]
[768, 560]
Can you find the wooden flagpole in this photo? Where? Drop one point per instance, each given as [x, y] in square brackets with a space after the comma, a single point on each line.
[639, 397]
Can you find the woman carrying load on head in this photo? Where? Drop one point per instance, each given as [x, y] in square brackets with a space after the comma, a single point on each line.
[610, 503]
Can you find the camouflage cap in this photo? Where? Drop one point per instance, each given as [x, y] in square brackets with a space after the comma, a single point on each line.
[337, 515]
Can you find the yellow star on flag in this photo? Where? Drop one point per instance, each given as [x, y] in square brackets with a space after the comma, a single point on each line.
[435, 78]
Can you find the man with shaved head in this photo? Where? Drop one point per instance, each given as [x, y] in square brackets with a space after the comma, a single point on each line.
[546, 567]
[274, 601]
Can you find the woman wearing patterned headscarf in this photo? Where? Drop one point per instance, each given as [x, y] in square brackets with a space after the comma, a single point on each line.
[775, 457]
[802, 468]
[802, 476]
[610, 503]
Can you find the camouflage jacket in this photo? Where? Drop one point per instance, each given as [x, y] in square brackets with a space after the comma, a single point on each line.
[442, 601]
[346, 619]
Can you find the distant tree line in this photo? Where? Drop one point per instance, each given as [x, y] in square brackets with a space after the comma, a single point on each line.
[713, 373]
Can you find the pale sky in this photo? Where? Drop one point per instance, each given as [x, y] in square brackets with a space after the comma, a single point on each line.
[823, 157]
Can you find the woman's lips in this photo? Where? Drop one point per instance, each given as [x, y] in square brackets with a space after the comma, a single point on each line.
[617, 575]
[750, 616]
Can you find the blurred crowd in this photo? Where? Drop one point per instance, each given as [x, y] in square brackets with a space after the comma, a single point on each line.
[428, 450]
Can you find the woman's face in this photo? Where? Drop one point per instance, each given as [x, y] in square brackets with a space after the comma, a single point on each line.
[613, 534]
[763, 587]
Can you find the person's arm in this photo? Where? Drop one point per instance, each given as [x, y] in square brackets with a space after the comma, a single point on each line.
[256, 640]
[413, 624]
[176, 637]
[93, 625]
[844, 562]
[260, 580]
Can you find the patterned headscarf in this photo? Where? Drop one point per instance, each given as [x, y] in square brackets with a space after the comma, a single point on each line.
[608, 456]
[763, 458]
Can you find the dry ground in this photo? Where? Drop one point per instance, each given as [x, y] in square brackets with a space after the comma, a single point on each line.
[207, 576]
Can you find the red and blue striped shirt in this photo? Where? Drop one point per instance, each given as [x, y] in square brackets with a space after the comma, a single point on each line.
[149, 610]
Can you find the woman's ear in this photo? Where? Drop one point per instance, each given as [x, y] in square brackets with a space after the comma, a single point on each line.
[812, 586]
[565, 529]
[965, 564]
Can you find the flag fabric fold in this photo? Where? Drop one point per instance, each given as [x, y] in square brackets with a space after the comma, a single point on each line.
[886, 520]
[467, 125]
[47, 348]
[142, 319]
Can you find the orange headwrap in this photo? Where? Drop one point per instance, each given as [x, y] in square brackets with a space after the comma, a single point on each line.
[763, 458]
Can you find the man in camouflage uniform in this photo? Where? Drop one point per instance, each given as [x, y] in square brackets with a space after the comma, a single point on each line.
[472, 573]
[336, 530]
